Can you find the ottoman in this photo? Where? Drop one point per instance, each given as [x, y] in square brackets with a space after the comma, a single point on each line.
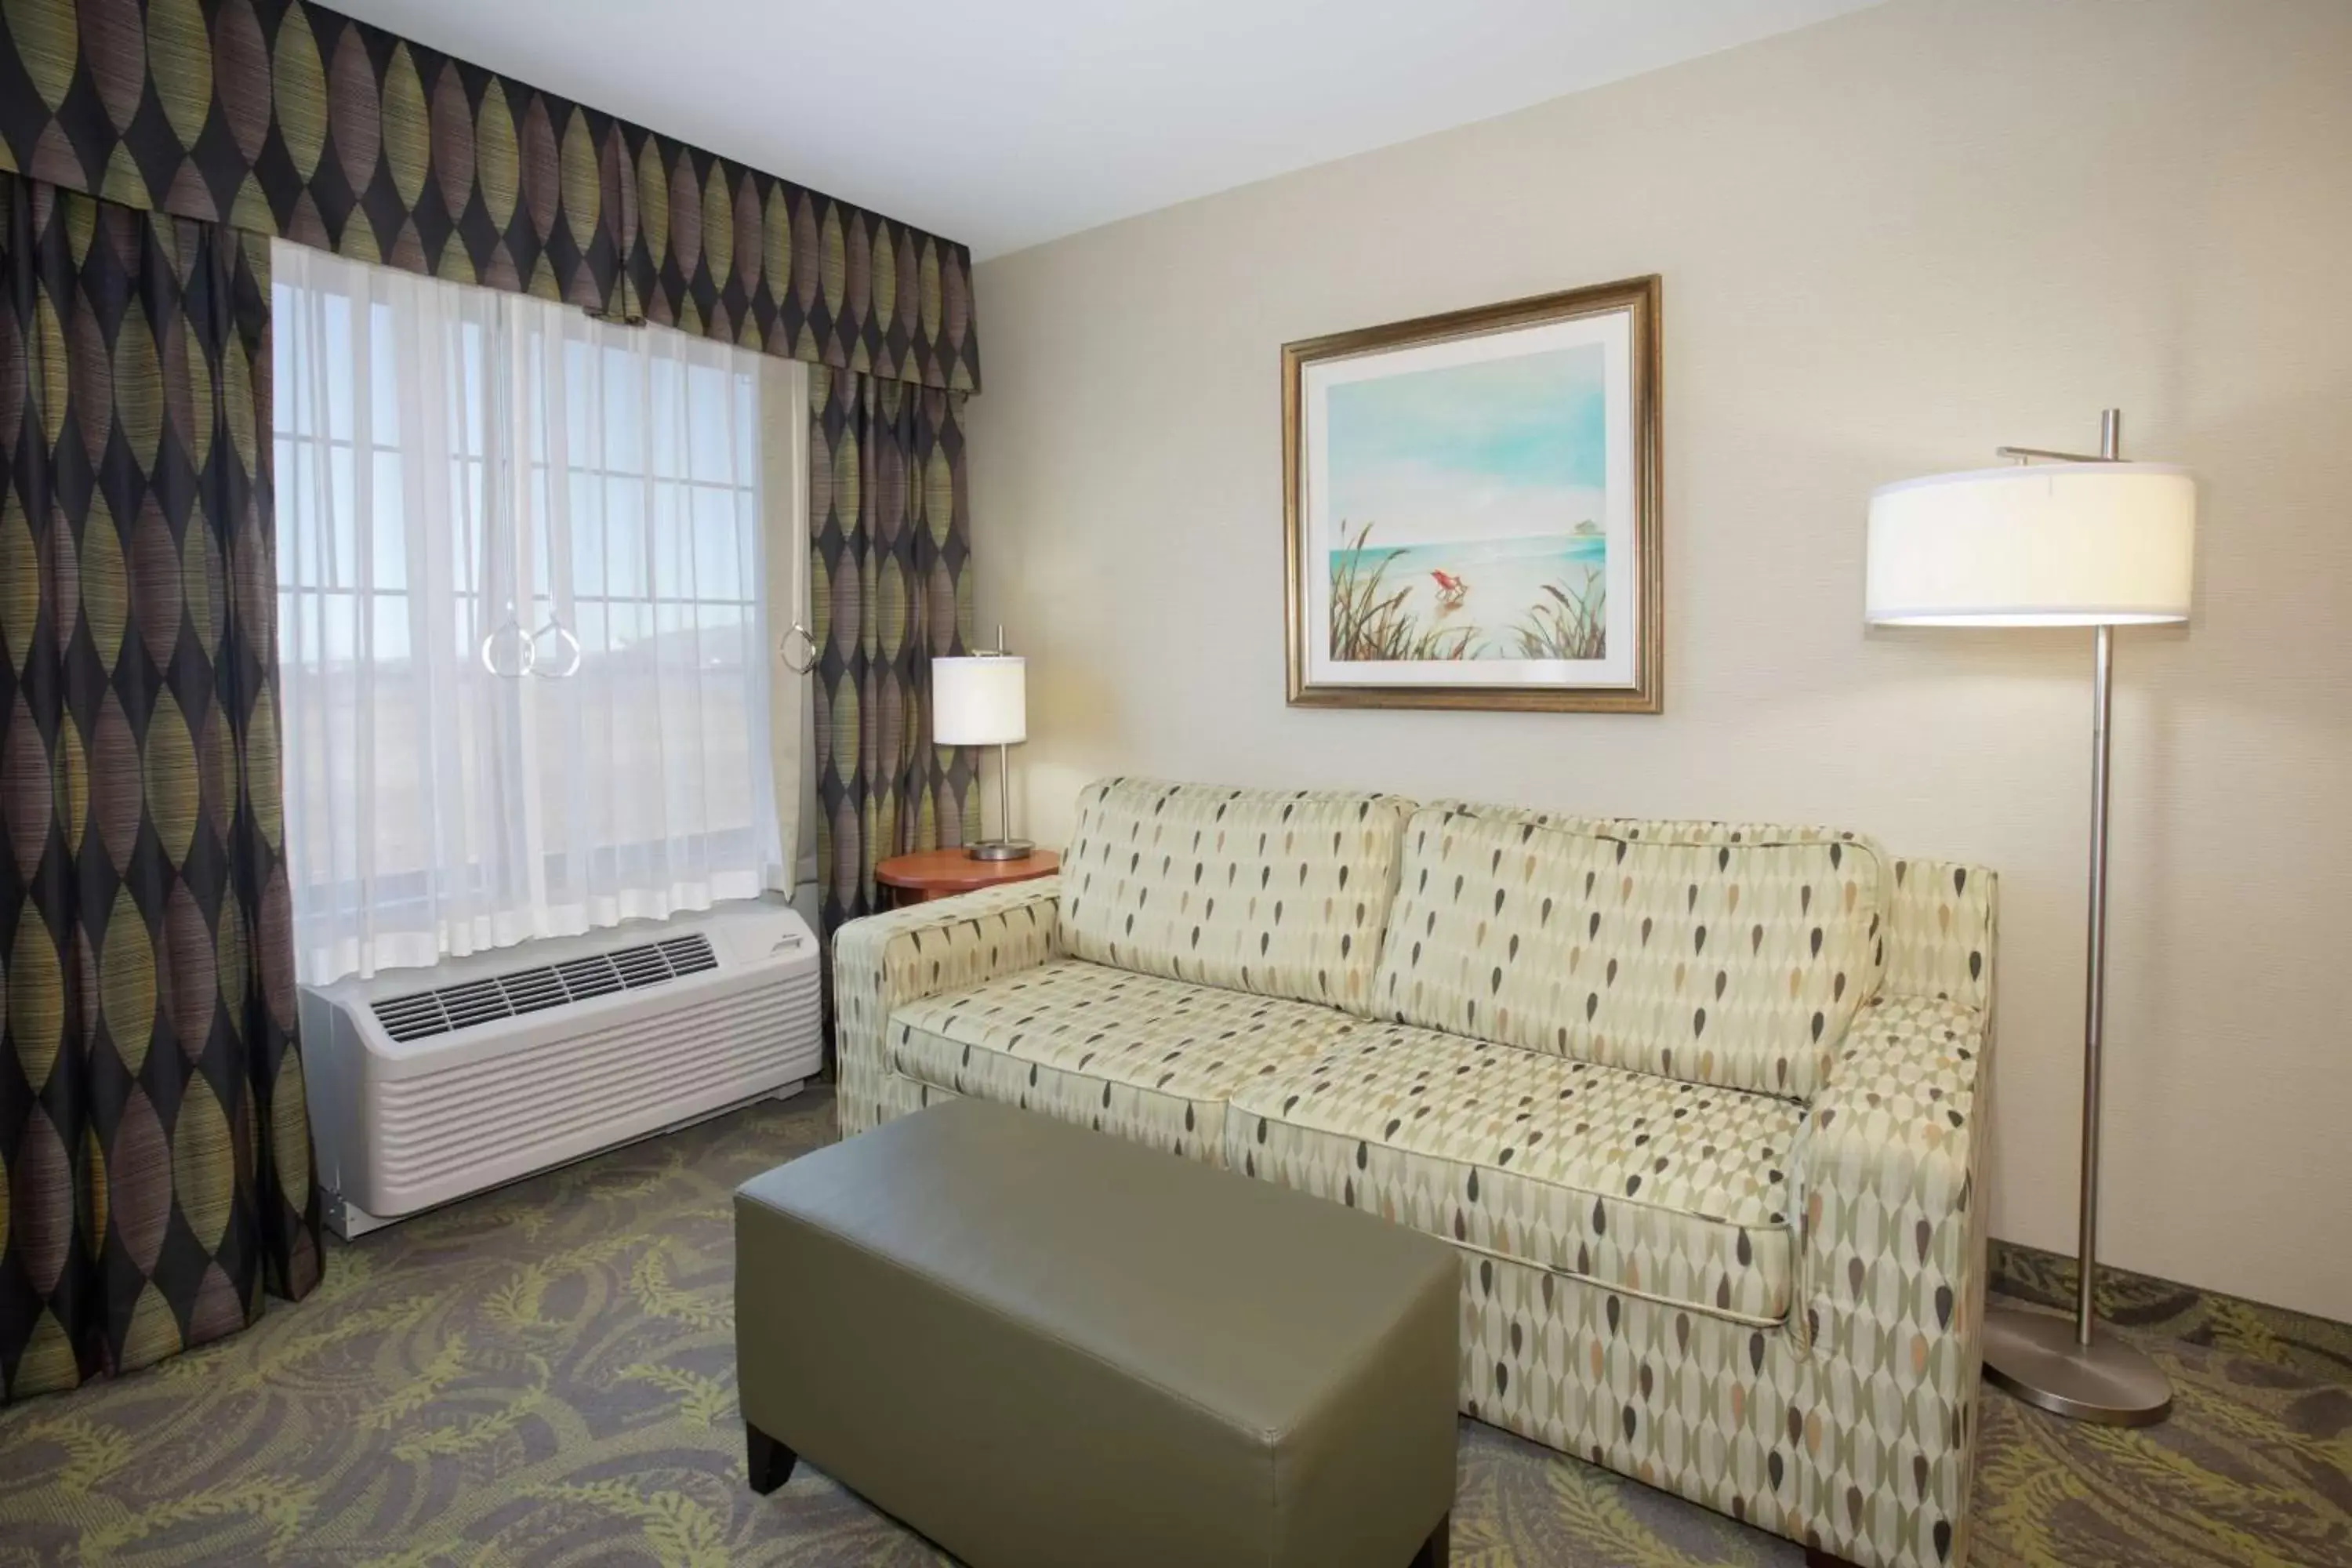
[1041, 1346]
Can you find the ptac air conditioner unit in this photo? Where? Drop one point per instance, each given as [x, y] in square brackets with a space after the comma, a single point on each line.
[429, 1084]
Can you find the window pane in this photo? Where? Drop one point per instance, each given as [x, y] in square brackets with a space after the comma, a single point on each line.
[337, 617]
[717, 553]
[338, 542]
[594, 631]
[287, 514]
[588, 535]
[627, 571]
[343, 381]
[624, 393]
[388, 531]
[580, 421]
[673, 545]
[632, 622]
[391, 628]
[467, 430]
[468, 479]
[540, 529]
[710, 418]
[747, 423]
[383, 411]
[664, 415]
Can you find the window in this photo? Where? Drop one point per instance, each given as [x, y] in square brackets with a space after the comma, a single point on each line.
[523, 566]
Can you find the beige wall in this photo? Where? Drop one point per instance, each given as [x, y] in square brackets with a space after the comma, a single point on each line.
[1889, 243]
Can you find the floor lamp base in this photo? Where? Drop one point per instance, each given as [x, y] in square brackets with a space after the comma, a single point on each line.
[2036, 1357]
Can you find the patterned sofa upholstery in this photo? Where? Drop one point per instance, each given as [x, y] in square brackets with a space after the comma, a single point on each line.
[1695, 1102]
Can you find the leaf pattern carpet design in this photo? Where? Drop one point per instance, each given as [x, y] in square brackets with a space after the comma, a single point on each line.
[545, 1376]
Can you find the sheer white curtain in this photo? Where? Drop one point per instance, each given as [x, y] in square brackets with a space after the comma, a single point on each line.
[524, 566]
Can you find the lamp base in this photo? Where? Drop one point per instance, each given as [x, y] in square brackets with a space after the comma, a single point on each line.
[2036, 1357]
[1000, 849]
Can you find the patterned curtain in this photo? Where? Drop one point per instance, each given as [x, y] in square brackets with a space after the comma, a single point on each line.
[891, 534]
[154, 1144]
[279, 117]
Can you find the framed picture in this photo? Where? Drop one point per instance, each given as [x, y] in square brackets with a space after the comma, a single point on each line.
[1471, 508]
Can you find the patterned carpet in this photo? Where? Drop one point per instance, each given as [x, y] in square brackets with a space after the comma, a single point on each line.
[544, 1376]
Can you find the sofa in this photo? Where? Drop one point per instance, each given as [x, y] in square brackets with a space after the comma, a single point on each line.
[1695, 1104]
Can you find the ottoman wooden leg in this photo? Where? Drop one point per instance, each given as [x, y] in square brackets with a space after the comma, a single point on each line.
[771, 1462]
[1436, 1552]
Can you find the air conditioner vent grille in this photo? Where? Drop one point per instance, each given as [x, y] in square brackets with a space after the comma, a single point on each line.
[410, 1018]
[587, 977]
[533, 989]
[441, 1011]
[641, 966]
[689, 954]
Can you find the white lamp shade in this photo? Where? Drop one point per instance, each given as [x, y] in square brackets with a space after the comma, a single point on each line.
[2054, 544]
[980, 701]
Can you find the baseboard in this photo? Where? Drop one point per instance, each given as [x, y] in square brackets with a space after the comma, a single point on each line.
[2232, 1324]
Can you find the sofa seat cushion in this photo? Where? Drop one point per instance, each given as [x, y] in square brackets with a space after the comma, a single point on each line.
[1672, 1191]
[1737, 962]
[1149, 1059]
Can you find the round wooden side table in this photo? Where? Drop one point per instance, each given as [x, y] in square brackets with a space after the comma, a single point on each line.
[928, 874]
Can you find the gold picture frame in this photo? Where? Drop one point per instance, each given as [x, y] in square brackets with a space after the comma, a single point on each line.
[1512, 452]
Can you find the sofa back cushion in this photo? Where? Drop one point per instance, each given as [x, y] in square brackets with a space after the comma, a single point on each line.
[1726, 954]
[1279, 894]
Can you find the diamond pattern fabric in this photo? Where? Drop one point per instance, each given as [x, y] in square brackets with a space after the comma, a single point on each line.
[1939, 914]
[282, 118]
[1153, 1060]
[1674, 1191]
[155, 1170]
[1799, 1352]
[885, 964]
[1940, 933]
[1277, 893]
[1737, 962]
[890, 585]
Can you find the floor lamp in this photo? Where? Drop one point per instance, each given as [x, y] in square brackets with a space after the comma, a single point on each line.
[2059, 540]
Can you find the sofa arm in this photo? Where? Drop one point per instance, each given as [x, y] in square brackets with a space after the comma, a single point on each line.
[1891, 1275]
[884, 962]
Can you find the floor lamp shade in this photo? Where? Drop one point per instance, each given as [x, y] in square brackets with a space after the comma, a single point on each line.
[2053, 544]
[981, 700]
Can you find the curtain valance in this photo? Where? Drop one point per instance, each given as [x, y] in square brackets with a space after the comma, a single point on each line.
[289, 119]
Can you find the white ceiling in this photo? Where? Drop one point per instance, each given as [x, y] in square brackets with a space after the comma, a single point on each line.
[1004, 123]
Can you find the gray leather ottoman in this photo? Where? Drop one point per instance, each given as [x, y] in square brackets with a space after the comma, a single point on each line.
[1041, 1346]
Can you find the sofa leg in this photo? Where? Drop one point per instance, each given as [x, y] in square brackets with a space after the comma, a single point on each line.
[1816, 1558]
[1436, 1552]
[770, 1462]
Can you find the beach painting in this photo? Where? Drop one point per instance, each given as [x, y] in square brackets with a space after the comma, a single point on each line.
[1473, 510]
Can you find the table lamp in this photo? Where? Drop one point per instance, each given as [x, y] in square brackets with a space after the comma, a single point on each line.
[982, 699]
[2059, 540]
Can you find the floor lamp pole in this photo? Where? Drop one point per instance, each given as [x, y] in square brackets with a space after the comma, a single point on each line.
[2094, 982]
[2045, 1360]
[2094, 963]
